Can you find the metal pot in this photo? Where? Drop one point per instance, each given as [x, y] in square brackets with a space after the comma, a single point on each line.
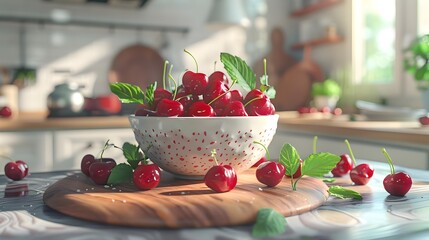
[65, 101]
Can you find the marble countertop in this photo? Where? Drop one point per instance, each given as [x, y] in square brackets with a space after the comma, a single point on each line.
[23, 215]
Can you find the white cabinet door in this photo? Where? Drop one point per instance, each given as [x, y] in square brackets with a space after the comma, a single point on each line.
[71, 145]
[35, 148]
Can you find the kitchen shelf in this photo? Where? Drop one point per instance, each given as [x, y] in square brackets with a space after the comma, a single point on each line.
[318, 42]
[321, 4]
[85, 23]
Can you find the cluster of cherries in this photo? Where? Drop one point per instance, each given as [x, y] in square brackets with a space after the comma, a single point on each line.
[16, 170]
[5, 112]
[145, 176]
[202, 96]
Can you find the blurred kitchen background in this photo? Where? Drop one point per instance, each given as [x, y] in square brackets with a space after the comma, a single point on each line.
[358, 44]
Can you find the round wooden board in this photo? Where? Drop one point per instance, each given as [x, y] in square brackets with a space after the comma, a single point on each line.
[181, 203]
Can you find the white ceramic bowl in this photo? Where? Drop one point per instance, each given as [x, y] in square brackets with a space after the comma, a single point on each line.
[183, 145]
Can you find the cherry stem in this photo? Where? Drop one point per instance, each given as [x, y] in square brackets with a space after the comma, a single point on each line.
[265, 66]
[105, 147]
[266, 149]
[214, 157]
[6, 157]
[351, 152]
[183, 97]
[174, 81]
[163, 73]
[295, 183]
[315, 144]
[389, 160]
[251, 100]
[195, 60]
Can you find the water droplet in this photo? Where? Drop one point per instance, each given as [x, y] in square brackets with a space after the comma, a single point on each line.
[113, 200]
[120, 190]
[77, 190]
[183, 193]
[106, 186]
[124, 201]
[260, 189]
[92, 188]
[28, 205]
[86, 189]
[114, 188]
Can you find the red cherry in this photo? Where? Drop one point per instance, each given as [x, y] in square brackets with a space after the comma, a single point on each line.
[218, 76]
[87, 160]
[147, 176]
[343, 166]
[337, 111]
[260, 106]
[14, 171]
[254, 93]
[100, 171]
[270, 173]
[263, 159]
[169, 108]
[200, 109]
[158, 94]
[24, 165]
[221, 178]
[235, 108]
[325, 110]
[143, 110]
[213, 91]
[194, 83]
[396, 183]
[303, 110]
[424, 120]
[361, 174]
[218, 112]
[236, 95]
[298, 173]
[5, 112]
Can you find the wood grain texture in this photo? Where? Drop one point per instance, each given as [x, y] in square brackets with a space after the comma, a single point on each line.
[181, 203]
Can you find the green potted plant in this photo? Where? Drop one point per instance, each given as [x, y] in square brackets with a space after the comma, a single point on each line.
[416, 62]
[326, 93]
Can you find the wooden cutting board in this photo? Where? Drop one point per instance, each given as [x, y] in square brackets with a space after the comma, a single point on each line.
[181, 203]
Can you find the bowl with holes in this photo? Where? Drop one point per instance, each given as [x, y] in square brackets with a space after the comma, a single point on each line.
[183, 145]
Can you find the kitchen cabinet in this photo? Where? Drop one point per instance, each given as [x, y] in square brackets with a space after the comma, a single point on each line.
[34, 147]
[403, 155]
[71, 145]
[53, 150]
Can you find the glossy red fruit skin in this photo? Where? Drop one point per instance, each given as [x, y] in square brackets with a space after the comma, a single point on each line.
[169, 108]
[218, 76]
[5, 112]
[297, 174]
[201, 109]
[147, 176]
[236, 95]
[361, 174]
[270, 173]
[194, 83]
[254, 93]
[424, 120]
[100, 171]
[158, 94]
[15, 190]
[260, 107]
[87, 160]
[234, 108]
[397, 184]
[24, 165]
[344, 166]
[213, 91]
[263, 159]
[221, 178]
[14, 171]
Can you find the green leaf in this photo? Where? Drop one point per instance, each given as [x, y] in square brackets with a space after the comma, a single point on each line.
[239, 71]
[127, 93]
[122, 173]
[289, 157]
[132, 153]
[269, 223]
[329, 180]
[264, 80]
[271, 92]
[319, 164]
[149, 94]
[340, 192]
[420, 73]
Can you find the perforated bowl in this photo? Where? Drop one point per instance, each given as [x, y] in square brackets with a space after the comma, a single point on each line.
[183, 145]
